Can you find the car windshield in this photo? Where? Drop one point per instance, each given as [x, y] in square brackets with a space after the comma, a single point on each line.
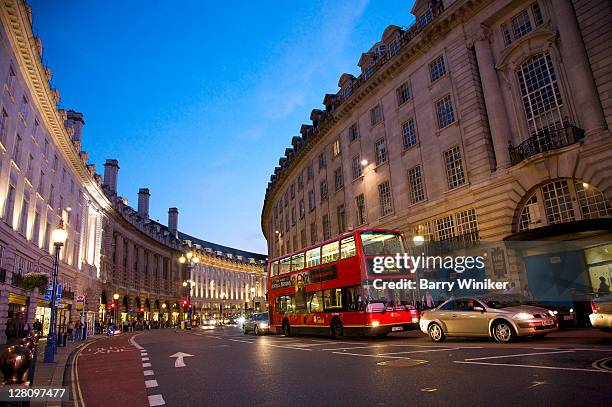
[505, 301]
[260, 317]
[380, 243]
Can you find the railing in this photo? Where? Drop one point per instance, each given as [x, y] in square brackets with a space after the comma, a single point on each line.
[546, 140]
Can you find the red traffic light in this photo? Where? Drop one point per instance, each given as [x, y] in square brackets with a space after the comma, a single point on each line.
[184, 303]
[112, 305]
[141, 309]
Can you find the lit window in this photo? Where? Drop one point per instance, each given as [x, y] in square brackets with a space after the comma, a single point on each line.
[558, 202]
[336, 148]
[592, 202]
[380, 149]
[530, 215]
[330, 252]
[347, 247]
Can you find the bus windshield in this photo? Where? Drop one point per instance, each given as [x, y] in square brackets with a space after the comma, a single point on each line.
[381, 243]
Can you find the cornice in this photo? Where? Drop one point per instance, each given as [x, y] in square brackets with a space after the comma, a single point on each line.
[454, 15]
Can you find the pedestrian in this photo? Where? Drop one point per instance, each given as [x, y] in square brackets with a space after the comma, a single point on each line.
[38, 325]
[604, 288]
[428, 300]
[70, 329]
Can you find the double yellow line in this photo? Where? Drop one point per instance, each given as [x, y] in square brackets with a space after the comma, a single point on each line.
[604, 364]
[77, 394]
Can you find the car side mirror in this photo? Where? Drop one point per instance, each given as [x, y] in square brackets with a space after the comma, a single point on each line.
[478, 308]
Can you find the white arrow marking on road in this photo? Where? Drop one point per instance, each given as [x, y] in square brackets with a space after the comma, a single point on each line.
[179, 362]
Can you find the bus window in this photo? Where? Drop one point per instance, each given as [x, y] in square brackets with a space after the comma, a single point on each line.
[313, 257]
[353, 298]
[329, 252]
[285, 304]
[274, 269]
[315, 302]
[347, 247]
[333, 299]
[377, 243]
[297, 262]
[284, 265]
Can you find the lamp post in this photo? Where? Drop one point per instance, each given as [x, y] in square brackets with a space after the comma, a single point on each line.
[222, 306]
[253, 298]
[190, 260]
[116, 310]
[58, 236]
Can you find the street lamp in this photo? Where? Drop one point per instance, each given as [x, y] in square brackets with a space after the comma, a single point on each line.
[58, 236]
[222, 306]
[116, 299]
[253, 298]
[190, 259]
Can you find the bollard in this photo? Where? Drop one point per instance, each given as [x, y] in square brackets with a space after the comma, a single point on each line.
[14, 362]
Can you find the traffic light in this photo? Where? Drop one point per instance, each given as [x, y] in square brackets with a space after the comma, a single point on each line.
[141, 309]
[184, 303]
[113, 305]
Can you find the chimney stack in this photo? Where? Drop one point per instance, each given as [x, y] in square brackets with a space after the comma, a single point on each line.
[76, 122]
[173, 221]
[111, 172]
[143, 203]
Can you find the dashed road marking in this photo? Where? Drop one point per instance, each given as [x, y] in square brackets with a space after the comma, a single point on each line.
[146, 365]
[150, 383]
[148, 373]
[156, 400]
[573, 369]
[518, 355]
[145, 359]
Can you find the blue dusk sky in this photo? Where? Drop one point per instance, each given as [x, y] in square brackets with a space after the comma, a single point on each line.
[199, 99]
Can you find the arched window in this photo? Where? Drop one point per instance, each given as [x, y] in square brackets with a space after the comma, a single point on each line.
[540, 94]
[561, 201]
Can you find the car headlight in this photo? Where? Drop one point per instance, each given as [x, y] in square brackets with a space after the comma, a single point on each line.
[523, 315]
[571, 310]
[263, 325]
[374, 324]
[551, 312]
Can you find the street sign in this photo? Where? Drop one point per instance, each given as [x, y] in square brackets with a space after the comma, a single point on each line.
[58, 292]
[80, 302]
[179, 362]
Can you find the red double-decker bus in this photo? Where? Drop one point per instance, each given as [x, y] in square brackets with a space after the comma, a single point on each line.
[331, 288]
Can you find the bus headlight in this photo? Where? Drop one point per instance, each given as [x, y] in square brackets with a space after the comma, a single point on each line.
[374, 324]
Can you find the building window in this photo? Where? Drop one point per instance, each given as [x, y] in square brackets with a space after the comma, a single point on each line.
[3, 126]
[361, 209]
[341, 219]
[24, 109]
[336, 148]
[467, 225]
[530, 215]
[403, 93]
[310, 171]
[55, 162]
[23, 216]
[11, 79]
[415, 183]
[302, 209]
[384, 197]
[326, 227]
[394, 47]
[445, 229]
[17, 149]
[311, 200]
[540, 93]
[521, 24]
[9, 205]
[538, 18]
[293, 217]
[30, 168]
[292, 190]
[300, 182]
[303, 237]
[557, 202]
[375, 115]
[36, 228]
[322, 163]
[592, 202]
[380, 150]
[454, 167]
[41, 181]
[338, 179]
[408, 133]
[444, 109]
[425, 18]
[353, 132]
[313, 233]
[323, 189]
[286, 198]
[506, 34]
[46, 149]
[287, 222]
[356, 167]
[52, 196]
[437, 69]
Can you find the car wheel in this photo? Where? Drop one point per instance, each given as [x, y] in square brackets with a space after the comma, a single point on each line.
[337, 329]
[436, 333]
[503, 332]
[286, 328]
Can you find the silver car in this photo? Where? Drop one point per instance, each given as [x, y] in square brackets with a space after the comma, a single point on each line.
[602, 313]
[258, 323]
[502, 317]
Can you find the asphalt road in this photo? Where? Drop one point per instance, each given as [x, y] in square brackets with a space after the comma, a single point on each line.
[231, 369]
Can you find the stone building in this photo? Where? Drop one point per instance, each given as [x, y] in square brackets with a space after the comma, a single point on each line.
[46, 182]
[483, 121]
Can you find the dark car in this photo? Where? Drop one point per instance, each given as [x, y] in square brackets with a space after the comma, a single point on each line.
[257, 323]
[565, 314]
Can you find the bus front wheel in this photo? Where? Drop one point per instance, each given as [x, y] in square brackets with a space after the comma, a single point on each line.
[336, 329]
[286, 328]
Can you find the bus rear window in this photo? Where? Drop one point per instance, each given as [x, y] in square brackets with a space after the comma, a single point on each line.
[313, 257]
[284, 265]
[379, 243]
[329, 252]
[347, 247]
[297, 262]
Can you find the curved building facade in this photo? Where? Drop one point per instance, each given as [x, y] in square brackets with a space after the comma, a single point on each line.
[482, 121]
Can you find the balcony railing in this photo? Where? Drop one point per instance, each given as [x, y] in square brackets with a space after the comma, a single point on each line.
[546, 140]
